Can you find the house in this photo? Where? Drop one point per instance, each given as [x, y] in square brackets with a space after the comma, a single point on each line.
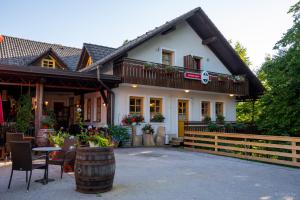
[184, 69]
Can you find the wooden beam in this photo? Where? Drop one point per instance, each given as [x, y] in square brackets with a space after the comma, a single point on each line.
[39, 90]
[103, 95]
[209, 40]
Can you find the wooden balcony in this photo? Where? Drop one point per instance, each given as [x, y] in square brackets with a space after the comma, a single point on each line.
[153, 74]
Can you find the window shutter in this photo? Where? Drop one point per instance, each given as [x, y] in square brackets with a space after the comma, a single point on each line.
[188, 62]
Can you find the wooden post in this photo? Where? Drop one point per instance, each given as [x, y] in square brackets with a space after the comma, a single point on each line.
[39, 90]
[294, 152]
[216, 143]
[109, 109]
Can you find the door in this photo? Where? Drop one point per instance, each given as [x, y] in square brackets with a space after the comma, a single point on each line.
[183, 115]
[61, 114]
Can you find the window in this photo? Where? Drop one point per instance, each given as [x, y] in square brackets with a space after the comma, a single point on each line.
[183, 110]
[167, 57]
[48, 62]
[205, 109]
[89, 61]
[219, 108]
[88, 110]
[136, 105]
[192, 62]
[197, 62]
[98, 113]
[155, 106]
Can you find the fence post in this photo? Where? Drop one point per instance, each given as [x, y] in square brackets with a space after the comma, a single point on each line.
[216, 143]
[294, 151]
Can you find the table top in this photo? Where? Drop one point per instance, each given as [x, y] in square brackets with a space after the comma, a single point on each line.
[46, 149]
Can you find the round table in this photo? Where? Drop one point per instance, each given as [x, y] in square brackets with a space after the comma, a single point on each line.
[46, 150]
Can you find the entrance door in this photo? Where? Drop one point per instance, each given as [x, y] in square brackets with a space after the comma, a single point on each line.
[183, 115]
[61, 114]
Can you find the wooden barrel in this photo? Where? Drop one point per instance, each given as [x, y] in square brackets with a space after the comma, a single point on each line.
[94, 169]
[42, 138]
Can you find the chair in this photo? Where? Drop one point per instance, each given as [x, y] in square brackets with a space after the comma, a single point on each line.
[65, 156]
[12, 137]
[22, 160]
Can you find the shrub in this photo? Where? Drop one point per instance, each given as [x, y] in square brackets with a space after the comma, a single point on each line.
[212, 127]
[118, 133]
[24, 114]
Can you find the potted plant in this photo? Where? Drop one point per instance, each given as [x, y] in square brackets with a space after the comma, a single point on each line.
[158, 117]
[95, 164]
[220, 119]
[133, 121]
[148, 135]
[118, 134]
[48, 122]
[207, 119]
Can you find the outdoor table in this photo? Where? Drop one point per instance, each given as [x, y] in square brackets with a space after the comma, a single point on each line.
[46, 150]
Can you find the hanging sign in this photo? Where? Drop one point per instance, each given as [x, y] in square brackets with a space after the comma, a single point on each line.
[203, 77]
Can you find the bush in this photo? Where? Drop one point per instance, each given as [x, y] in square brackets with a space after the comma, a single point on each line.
[24, 115]
[118, 133]
[212, 127]
[228, 127]
[158, 117]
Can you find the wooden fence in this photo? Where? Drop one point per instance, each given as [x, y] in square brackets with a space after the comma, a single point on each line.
[282, 150]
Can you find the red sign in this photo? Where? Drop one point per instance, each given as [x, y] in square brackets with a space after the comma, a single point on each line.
[190, 75]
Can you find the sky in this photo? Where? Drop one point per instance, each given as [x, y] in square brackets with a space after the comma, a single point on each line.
[256, 24]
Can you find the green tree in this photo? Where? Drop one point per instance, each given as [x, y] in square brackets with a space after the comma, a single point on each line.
[280, 105]
[24, 115]
[246, 111]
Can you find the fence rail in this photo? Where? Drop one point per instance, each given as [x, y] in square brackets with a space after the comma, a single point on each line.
[273, 149]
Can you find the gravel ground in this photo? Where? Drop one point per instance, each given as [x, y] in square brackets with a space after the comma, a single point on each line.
[163, 173]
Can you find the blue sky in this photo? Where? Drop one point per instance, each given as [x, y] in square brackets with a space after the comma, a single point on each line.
[257, 24]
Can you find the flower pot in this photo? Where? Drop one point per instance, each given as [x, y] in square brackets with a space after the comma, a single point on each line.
[94, 169]
[148, 140]
[137, 140]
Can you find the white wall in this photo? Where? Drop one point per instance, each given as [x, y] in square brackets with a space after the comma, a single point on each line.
[93, 96]
[183, 41]
[170, 98]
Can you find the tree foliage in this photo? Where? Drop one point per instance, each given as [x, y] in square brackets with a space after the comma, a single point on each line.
[280, 105]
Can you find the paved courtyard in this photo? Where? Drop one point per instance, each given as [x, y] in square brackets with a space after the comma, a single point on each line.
[158, 173]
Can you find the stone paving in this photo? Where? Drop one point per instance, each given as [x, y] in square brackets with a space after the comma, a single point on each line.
[164, 173]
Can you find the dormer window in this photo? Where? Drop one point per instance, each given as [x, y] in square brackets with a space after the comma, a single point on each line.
[48, 62]
[89, 61]
[167, 57]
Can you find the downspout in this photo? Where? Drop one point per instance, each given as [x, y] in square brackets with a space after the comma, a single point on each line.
[112, 106]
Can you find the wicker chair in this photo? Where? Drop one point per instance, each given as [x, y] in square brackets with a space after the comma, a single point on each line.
[22, 160]
[65, 156]
[12, 137]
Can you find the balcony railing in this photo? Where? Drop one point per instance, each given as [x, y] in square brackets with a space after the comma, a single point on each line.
[153, 74]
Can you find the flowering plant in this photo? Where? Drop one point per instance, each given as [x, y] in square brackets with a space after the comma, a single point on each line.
[132, 120]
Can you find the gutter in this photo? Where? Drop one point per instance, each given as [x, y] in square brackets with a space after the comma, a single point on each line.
[112, 107]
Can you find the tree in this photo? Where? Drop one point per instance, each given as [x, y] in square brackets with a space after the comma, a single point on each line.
[280, 105]
[246, 111]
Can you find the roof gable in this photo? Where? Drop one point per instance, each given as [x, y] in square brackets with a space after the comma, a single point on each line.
[96, 52]
[17, 51]
[211, 37]
[49, 53]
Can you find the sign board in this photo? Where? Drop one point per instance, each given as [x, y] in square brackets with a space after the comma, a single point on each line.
[203, 77]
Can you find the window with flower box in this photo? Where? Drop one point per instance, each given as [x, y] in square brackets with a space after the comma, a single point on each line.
[155, 107]
[219, 108]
